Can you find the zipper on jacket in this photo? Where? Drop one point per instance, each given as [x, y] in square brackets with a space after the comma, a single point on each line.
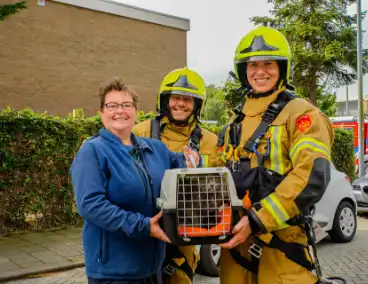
[154, 213]
[142, 175]
[149, 178]
[153, 208]
[101, 242]
[104, 247]
[146, 177]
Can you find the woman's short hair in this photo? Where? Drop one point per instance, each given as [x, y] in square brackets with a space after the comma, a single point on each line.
[117, 85]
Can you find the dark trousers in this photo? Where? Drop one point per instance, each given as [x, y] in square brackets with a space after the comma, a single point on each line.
[156, 279]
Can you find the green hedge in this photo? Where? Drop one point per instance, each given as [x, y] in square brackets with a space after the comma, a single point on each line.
[37, 150]
[343, 152]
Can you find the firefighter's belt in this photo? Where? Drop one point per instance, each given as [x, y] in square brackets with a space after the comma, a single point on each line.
[170, 266]
[293, 251]
[195, 136]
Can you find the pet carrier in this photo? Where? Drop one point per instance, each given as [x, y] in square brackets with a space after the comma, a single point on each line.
[200, 205]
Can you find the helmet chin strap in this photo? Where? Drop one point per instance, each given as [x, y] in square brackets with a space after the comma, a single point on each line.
[189, 120]
[280, 84]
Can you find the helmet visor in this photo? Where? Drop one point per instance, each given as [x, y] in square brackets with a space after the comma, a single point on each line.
[183, 93]
[261, 57]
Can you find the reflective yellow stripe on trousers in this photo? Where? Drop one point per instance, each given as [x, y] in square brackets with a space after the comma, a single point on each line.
[276, 210]
[310, 143]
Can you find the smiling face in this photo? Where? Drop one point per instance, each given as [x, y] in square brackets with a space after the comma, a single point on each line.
[119, 112]
[181, 107]
[262, 75]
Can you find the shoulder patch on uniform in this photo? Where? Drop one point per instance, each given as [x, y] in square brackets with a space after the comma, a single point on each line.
[304, 122]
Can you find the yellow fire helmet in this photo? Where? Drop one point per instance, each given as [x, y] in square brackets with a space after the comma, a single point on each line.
[263, 43]
[183, 82]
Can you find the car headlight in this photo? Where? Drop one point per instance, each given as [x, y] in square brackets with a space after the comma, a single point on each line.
[356, 187]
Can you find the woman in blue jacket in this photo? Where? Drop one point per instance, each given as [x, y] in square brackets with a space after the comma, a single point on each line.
[116, 178]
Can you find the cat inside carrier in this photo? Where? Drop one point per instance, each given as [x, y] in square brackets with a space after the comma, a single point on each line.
[200, 205]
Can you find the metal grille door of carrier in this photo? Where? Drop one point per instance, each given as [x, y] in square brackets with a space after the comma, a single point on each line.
[199, 205]
[203, 202]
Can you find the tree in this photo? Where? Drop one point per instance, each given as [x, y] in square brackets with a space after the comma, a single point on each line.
[322, 37]
[221, 101]
[216, 108]
[231, 94]
[326, 101]
[212, 109]
[11, 9]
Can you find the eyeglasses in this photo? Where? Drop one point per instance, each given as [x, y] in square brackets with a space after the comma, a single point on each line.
[114, 106]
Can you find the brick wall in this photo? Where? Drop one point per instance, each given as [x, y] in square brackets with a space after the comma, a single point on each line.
[54, 58]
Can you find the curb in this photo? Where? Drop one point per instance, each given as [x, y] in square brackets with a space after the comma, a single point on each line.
[41, 271]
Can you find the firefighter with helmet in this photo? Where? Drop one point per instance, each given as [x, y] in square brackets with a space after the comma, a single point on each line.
[180, 103]
[278, 148]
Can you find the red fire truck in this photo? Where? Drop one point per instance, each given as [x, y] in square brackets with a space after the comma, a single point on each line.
[351, 123]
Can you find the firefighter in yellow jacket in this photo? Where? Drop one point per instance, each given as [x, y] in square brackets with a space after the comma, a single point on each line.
[181, 100]
[278, 148]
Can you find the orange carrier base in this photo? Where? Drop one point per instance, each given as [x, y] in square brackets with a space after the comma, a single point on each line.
[192, 235]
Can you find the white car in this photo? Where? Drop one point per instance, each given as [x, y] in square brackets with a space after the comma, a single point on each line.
[360, 187]
[336, 214]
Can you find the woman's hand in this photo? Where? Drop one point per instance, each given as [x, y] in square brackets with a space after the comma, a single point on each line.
[155, 229]
[241, 232]
[189, 152]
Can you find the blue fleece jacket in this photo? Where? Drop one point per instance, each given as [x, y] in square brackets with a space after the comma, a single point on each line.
[115, 198]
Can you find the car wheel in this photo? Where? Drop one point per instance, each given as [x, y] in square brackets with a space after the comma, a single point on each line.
[209, 260]
[344, 224]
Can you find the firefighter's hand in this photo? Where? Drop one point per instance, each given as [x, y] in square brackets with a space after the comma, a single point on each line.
[241, 232]
[155, 229]
[189, 152]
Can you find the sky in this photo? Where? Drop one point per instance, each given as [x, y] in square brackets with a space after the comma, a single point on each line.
[216, 27]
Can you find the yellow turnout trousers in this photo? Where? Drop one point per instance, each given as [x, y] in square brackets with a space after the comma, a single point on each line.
[179, 276]
[274, 268]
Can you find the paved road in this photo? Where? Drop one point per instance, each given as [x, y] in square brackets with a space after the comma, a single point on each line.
[346, 260]
[77, 276]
